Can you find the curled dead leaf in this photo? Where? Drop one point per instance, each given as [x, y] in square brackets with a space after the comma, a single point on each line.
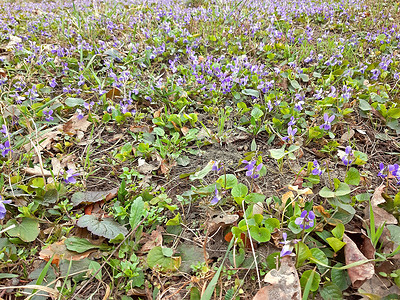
[59, 251]
[358, 274]
[284, 284]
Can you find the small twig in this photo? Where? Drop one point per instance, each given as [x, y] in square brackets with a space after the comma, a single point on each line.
[108, 258]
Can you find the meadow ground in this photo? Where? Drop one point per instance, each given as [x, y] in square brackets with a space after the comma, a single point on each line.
[199, 149]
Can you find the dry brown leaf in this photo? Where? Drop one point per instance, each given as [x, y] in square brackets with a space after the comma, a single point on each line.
[57, 167]
[140, 129]
[37, 171]
[378, 288]
[152, 240]
[113, 93]
[43, 141]
[166, 166]
[358, 274]
[74, 125]
[60, 251]
[347, 135]
[381, 216]
[284, 284]
[221, 220]
[185, 130]
[146, 168]
[286, 196]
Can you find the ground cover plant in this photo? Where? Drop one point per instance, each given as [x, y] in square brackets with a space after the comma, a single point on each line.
[199, 149]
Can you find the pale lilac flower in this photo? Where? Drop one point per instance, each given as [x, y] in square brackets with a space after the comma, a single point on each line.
[348, 158]
[53, 83]
[216, 198]
[5, 148]
[3, 209]
[69, 176]
[4, 130]
[291, 133]
[375, 74]
[252, 169]
[287, 245]
[382, 169]
[328, 120]
[217, 166]
[292, 121]
[48, 114]
[80, 114]
[317, 168]
[306, 219]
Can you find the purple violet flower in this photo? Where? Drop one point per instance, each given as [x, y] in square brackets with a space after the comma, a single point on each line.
[328, 120]
[69, 176]
[216, 198]
[291, 133]
[306, 219]
[382, 169]
[48, 114]
[317, 168]
[252, 169]
[217, 166]
[5, 148]
[287, 245]
[4, 130]
[348, 158]
[3, 209]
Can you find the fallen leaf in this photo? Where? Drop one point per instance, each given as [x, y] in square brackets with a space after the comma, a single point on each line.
[284, 284]
[347, 136]
[153, 240]
[185, 130]
[113, 93]
[93, 196]
[381, 216]
[60, 251]
[378, 288]
[37, 171]
[74, 125]
[219, 221]
[13, 41]
[286, 196]
[146, 168]
[358, 274]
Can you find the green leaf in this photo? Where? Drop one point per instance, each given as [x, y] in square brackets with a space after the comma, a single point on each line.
[330, 291]
[27, 230]
[82, 245]
[303, 253]
[342, 190]
[326, 193]
[177, 220]
[254, 198]
[190, 255]
[260, 234]
[295, 84]
[335, 243]
[307, 275]
[277, 153]
[364, 105]
[50, 196]
[137, 212]
[72, 102]
[105, 227]
[394, 233]
[251, 92]
[239, 190]
[340, 277]
[272, 223]
[320, 256]
[239, 257]
[256, 112]
[202, 173]
[94, 267]
[156, 257]
[230, 182]
[304, 77]
[338, 231]
[167, 252]
[394, 112]
[352, 176]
